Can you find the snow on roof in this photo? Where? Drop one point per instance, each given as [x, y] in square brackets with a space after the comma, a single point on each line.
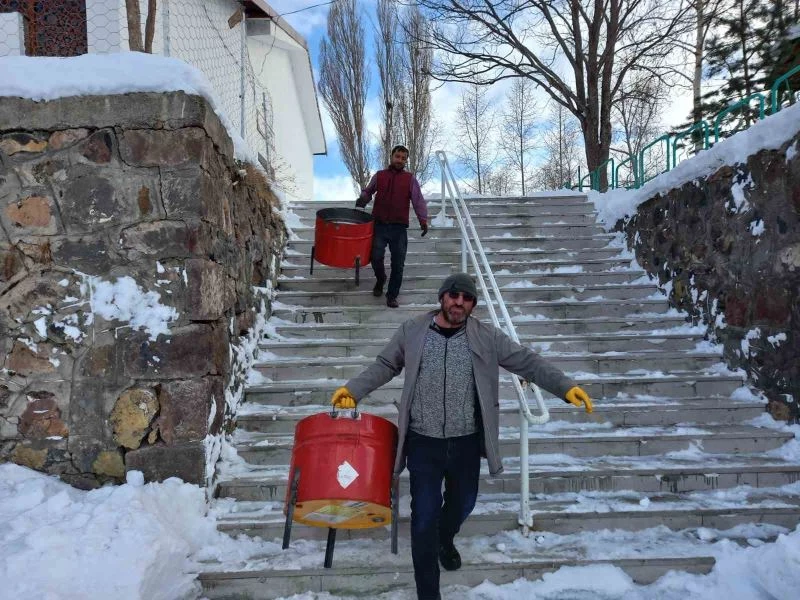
[49, 78]
[768, 134]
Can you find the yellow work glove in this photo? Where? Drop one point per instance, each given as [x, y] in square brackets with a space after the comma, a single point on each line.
[343, 399]
[579, 398]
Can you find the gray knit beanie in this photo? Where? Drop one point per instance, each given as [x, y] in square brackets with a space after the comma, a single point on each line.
[458, 282]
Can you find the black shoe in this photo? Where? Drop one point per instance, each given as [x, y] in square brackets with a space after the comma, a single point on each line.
[377, 291]
[449, 557]
[392, 302]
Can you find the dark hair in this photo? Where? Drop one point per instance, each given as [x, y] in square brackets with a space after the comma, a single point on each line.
[399, 147]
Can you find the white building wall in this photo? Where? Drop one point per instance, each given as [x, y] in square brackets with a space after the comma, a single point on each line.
[12, 37]
[292, 145]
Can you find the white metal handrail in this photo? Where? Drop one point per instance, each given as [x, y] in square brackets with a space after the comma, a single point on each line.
[470, 242]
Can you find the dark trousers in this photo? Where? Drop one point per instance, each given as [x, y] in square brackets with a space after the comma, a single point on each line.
[395, 235]
[456, 461]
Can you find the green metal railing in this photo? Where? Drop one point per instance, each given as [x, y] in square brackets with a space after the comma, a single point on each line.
[743, 103]
[634, 172]
[643, 178]
[700, 126]
[781, 86]
[775, 90]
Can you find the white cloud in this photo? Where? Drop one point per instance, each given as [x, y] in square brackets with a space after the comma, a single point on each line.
[336, 187]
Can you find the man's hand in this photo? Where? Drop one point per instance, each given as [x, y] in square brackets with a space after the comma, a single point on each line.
[361, 202]
[343, 399]
[423, 225]
[579, 398]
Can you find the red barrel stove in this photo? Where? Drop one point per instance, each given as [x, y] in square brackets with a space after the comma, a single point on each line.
[342, 238]
[341, 475]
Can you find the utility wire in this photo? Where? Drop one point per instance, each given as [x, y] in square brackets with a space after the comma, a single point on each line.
[308, 8]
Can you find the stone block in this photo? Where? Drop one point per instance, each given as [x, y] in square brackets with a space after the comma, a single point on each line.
[773, 308]
[10, 263]
[185, 408]
[210, 291]
[67, 137]
[33, 458]
[99, 148]
[91, 401]
[88, 255]
[110, 463]
[31, 215]
[29, 362]
[186, 461]
[132, 414]
[191, 194]
[161, 239]
[42, 417]
[16, 143]
[165, 148]
[189, 351]
[93, 199]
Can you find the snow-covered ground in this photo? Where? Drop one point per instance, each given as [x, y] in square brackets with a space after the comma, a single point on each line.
[148, 541]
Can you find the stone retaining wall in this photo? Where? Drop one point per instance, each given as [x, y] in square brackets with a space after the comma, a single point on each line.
[727, 248]
[132, 251]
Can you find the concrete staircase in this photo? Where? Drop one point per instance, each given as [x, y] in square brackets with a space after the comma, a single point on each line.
[676, 448]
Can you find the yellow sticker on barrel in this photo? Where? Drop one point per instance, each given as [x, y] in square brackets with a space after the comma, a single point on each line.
[334, 513]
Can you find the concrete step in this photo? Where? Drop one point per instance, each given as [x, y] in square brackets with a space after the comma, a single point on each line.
[567, 276]
[491, 243]
[293, 266]
[700, 411]
[681, 472]
[530, 217]
[340, 367]
[675, 385]
[475, 205]
[542, 293]
[270, 449]
[558, 513]
[369, 582]
[537, 317]
[419, 255]
[486, 232]
[591, 343]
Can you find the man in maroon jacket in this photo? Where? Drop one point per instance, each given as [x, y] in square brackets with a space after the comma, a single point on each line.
[395, 188]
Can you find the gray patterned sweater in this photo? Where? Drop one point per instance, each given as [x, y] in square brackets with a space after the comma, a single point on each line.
[444, 402]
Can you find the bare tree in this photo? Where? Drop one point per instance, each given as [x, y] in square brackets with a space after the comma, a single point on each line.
[638, 117]
[134, 16]
[474, 127]
[500, 181]
[343, 84]
[602, 42]
[414, 92]
[560, 144]
[518, 128]
[389, 66]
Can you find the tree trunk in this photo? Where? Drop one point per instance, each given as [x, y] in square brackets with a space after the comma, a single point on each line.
[150, 26]
[134, 25]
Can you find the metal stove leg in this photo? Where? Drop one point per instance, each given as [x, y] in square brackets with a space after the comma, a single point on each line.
[287, 526]
[311, 270]
[395, 511]
[329, 547]
[358, 268]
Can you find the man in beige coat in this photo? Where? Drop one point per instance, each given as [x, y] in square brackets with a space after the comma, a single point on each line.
[449, 414]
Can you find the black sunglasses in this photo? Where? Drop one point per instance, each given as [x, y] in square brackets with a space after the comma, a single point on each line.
[455, 295]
